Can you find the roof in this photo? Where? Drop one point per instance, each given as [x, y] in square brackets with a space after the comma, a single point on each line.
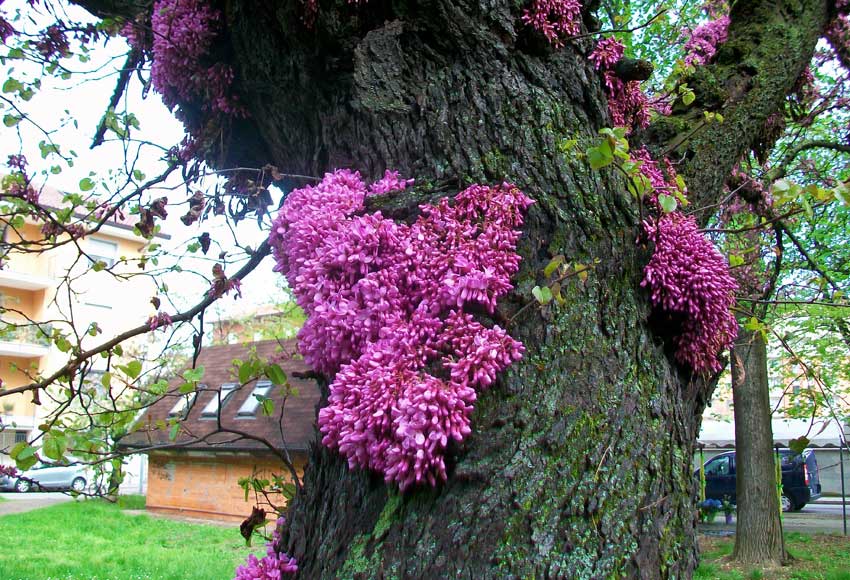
[823, 433]
[53, 198]
[297, 423]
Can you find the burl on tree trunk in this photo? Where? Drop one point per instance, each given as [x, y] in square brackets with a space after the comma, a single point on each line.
[579, 464]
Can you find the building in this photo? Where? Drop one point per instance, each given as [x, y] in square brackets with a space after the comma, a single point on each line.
[32, 291]
[194, 468]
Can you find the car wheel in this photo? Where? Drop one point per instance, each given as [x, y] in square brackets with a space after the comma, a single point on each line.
[798, 507]
[787, 504]
[79, 484]
[22, 486]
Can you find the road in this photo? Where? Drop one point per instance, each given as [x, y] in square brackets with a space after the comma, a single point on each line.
[815, 518]
[819, 508]
[23, 502]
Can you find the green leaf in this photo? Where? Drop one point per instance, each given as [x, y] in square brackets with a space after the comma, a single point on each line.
[543, 295]
[12, 85]
[799, 444]
[187, 388]
[132, 369]
[267, 407]
[195, 374]
[11, 120]
[276, 374]
[688, 97]
[553, 265]
[53, 446]
[597, 159]
[246, 372]
[17, 449]
[159, 388]
[735, 260]
[86, 184]
[668, 203]
[99, 266]
[172, 433]
[106, 379]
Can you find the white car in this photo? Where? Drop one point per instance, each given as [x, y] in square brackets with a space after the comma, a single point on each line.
[45, 476]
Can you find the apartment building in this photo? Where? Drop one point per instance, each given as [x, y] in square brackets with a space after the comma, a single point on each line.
[36, 300]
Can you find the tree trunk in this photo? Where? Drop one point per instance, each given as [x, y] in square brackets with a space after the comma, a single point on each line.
[579, 464]
[758, 538]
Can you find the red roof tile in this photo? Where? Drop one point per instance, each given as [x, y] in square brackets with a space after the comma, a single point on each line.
[297, 425]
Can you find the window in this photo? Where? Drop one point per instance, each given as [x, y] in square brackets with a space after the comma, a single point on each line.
[20, 436]
[102, 251]
[211, 409]
[719, 466]
[249, 408]
[182, 407]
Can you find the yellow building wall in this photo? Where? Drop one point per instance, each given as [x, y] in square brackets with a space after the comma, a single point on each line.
[115, 304]
[19, 405]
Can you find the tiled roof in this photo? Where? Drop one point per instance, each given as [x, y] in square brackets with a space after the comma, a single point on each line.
[298, 418]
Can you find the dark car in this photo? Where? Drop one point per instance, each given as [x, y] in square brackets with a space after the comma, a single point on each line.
[800, 478]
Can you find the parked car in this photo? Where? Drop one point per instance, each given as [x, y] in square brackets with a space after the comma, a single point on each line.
[47, 476]
[7, 482]
[800, 478]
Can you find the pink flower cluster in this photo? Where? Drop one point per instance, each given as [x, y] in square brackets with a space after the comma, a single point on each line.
[272, 566]
[384, 303]
[702, 45]
[662, 179]
[627, 103]
[183, 33]
[388, 183]
[160, 320]
[555, 19]
[688, 277]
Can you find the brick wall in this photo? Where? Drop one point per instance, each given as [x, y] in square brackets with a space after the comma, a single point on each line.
[206, 485]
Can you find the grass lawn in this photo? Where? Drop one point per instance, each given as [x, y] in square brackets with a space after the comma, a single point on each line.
[94, 540]
[816, 557]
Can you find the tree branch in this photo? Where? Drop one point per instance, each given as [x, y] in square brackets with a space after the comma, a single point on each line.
[261, 252]
[749, 93]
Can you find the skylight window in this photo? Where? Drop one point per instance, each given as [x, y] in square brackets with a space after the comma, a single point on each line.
[249, 407]
[211, 409]
[182, 406]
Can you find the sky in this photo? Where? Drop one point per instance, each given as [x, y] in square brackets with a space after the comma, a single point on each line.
[70, 110]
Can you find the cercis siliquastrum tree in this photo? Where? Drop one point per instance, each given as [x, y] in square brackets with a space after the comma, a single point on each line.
[577, 462]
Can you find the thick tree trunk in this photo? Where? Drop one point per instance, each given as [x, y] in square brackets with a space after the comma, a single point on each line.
[758, 538]
[579, 464]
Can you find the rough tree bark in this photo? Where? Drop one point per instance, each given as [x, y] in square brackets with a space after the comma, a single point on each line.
[580, 461]
[758, 538]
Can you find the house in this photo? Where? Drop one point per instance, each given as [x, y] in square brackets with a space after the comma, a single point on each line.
[31, 292]
[195, 470]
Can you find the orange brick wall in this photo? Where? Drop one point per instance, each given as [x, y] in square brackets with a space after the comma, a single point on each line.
[207, 485]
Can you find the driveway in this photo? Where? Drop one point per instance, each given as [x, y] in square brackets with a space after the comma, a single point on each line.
[17, 503]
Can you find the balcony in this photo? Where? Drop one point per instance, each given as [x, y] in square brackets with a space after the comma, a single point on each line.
[24, 341]
[23, 281]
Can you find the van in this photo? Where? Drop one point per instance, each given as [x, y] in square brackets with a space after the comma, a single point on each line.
[800, 478]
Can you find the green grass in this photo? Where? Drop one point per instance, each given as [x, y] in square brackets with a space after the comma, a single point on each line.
[131, 502]
[94, 540]
[815, 557]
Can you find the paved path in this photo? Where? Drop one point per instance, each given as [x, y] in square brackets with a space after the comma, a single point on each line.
[17, 503]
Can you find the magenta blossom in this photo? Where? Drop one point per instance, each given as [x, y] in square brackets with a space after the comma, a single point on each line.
[689, 278]
[384, 302]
